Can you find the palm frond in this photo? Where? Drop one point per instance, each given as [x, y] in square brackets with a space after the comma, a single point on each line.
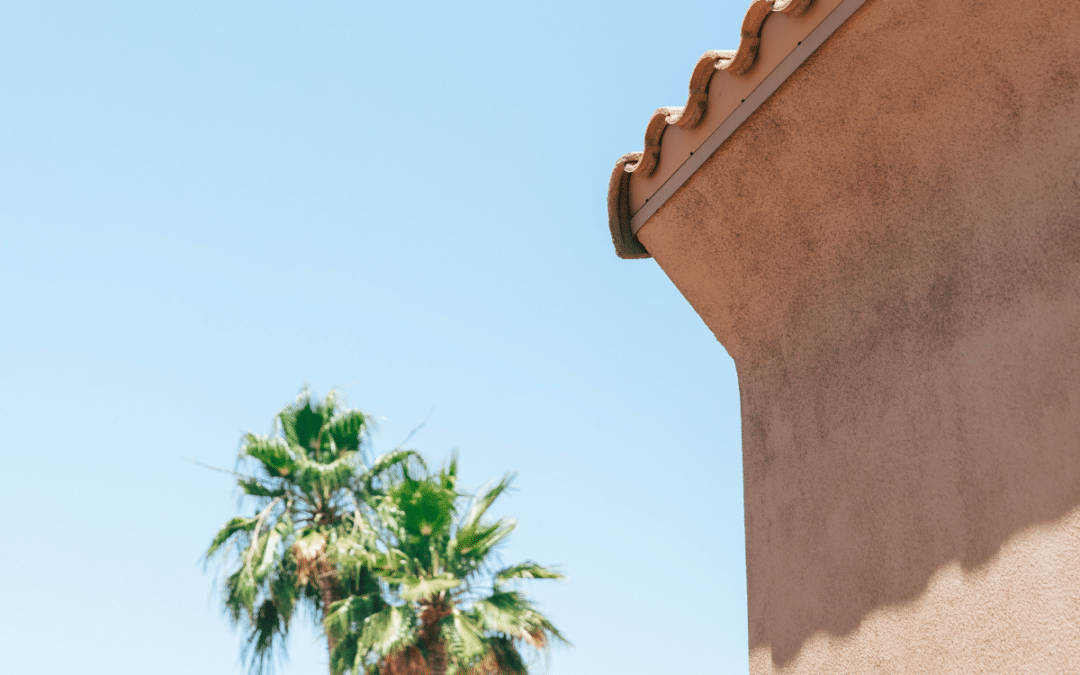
[272, 452]
[241, 589]
[344, 623]
[467, 638]
[316, 476]
[474, 543]
[303, 421]
[348, 429]
[270, 552]
[483, 501]
[386, 462]
[541, 632]
[506, 612]
[346, 658]
[260, 519]
[420, 588]
[511, 613]
[426, 507]
[255, 488]
[352, 557]
[339, 617]
[284, 525]
[502, 658]
[284, 589]
[448, 476]
[526, 570]
[386, 630]
[507, 658]
[237, 524]
[266, 633]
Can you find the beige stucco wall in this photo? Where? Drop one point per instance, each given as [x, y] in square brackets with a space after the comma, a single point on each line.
[890, 251]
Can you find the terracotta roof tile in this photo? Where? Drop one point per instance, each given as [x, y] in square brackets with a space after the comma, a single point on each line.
[738, 62]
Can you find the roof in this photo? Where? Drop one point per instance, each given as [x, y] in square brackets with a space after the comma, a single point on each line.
[725, 88]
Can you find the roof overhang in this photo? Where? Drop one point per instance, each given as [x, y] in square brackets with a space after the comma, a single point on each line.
[725, 89]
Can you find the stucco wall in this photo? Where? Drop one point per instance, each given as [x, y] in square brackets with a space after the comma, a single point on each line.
[890, 251]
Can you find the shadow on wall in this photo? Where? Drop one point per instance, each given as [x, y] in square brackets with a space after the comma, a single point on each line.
[903, 464]
[1032, 581]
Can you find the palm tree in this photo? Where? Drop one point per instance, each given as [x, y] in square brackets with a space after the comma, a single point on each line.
[304, 479]
[449, 611]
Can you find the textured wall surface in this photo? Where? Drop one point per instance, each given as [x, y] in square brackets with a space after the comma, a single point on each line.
[890, 251]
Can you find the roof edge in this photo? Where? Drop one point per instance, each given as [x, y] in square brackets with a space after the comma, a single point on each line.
[627, 245]
[738, 62]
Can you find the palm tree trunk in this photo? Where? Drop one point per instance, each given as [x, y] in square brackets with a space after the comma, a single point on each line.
[328, 587]
[436, 649]
[431, 634]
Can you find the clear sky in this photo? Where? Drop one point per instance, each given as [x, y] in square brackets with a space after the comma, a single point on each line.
[207, 204]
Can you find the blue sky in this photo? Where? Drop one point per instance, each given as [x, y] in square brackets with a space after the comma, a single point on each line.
[208, 204]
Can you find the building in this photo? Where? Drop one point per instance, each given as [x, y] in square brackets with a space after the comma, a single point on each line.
[875, 207]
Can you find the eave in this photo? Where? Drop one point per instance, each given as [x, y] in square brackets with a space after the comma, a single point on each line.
[726, 87]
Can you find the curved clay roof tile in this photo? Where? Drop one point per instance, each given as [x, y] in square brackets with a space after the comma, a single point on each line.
[737, 62]
[698, 100]
[750, 38]
[654, 135]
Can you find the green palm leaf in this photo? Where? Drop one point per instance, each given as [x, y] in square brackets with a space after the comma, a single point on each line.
[270, 552]
[303, 421]
[526, 570]
[265, 632]
[255, 488]
[468, 637]
[348, 429]
[485, 499]
[420, 588]
[505, 612]
[385, 630]
[272, 452]
[474, 543]
[237, 524]
[314, 476]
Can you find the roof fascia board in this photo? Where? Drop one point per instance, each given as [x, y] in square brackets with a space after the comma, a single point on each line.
[753, 101]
